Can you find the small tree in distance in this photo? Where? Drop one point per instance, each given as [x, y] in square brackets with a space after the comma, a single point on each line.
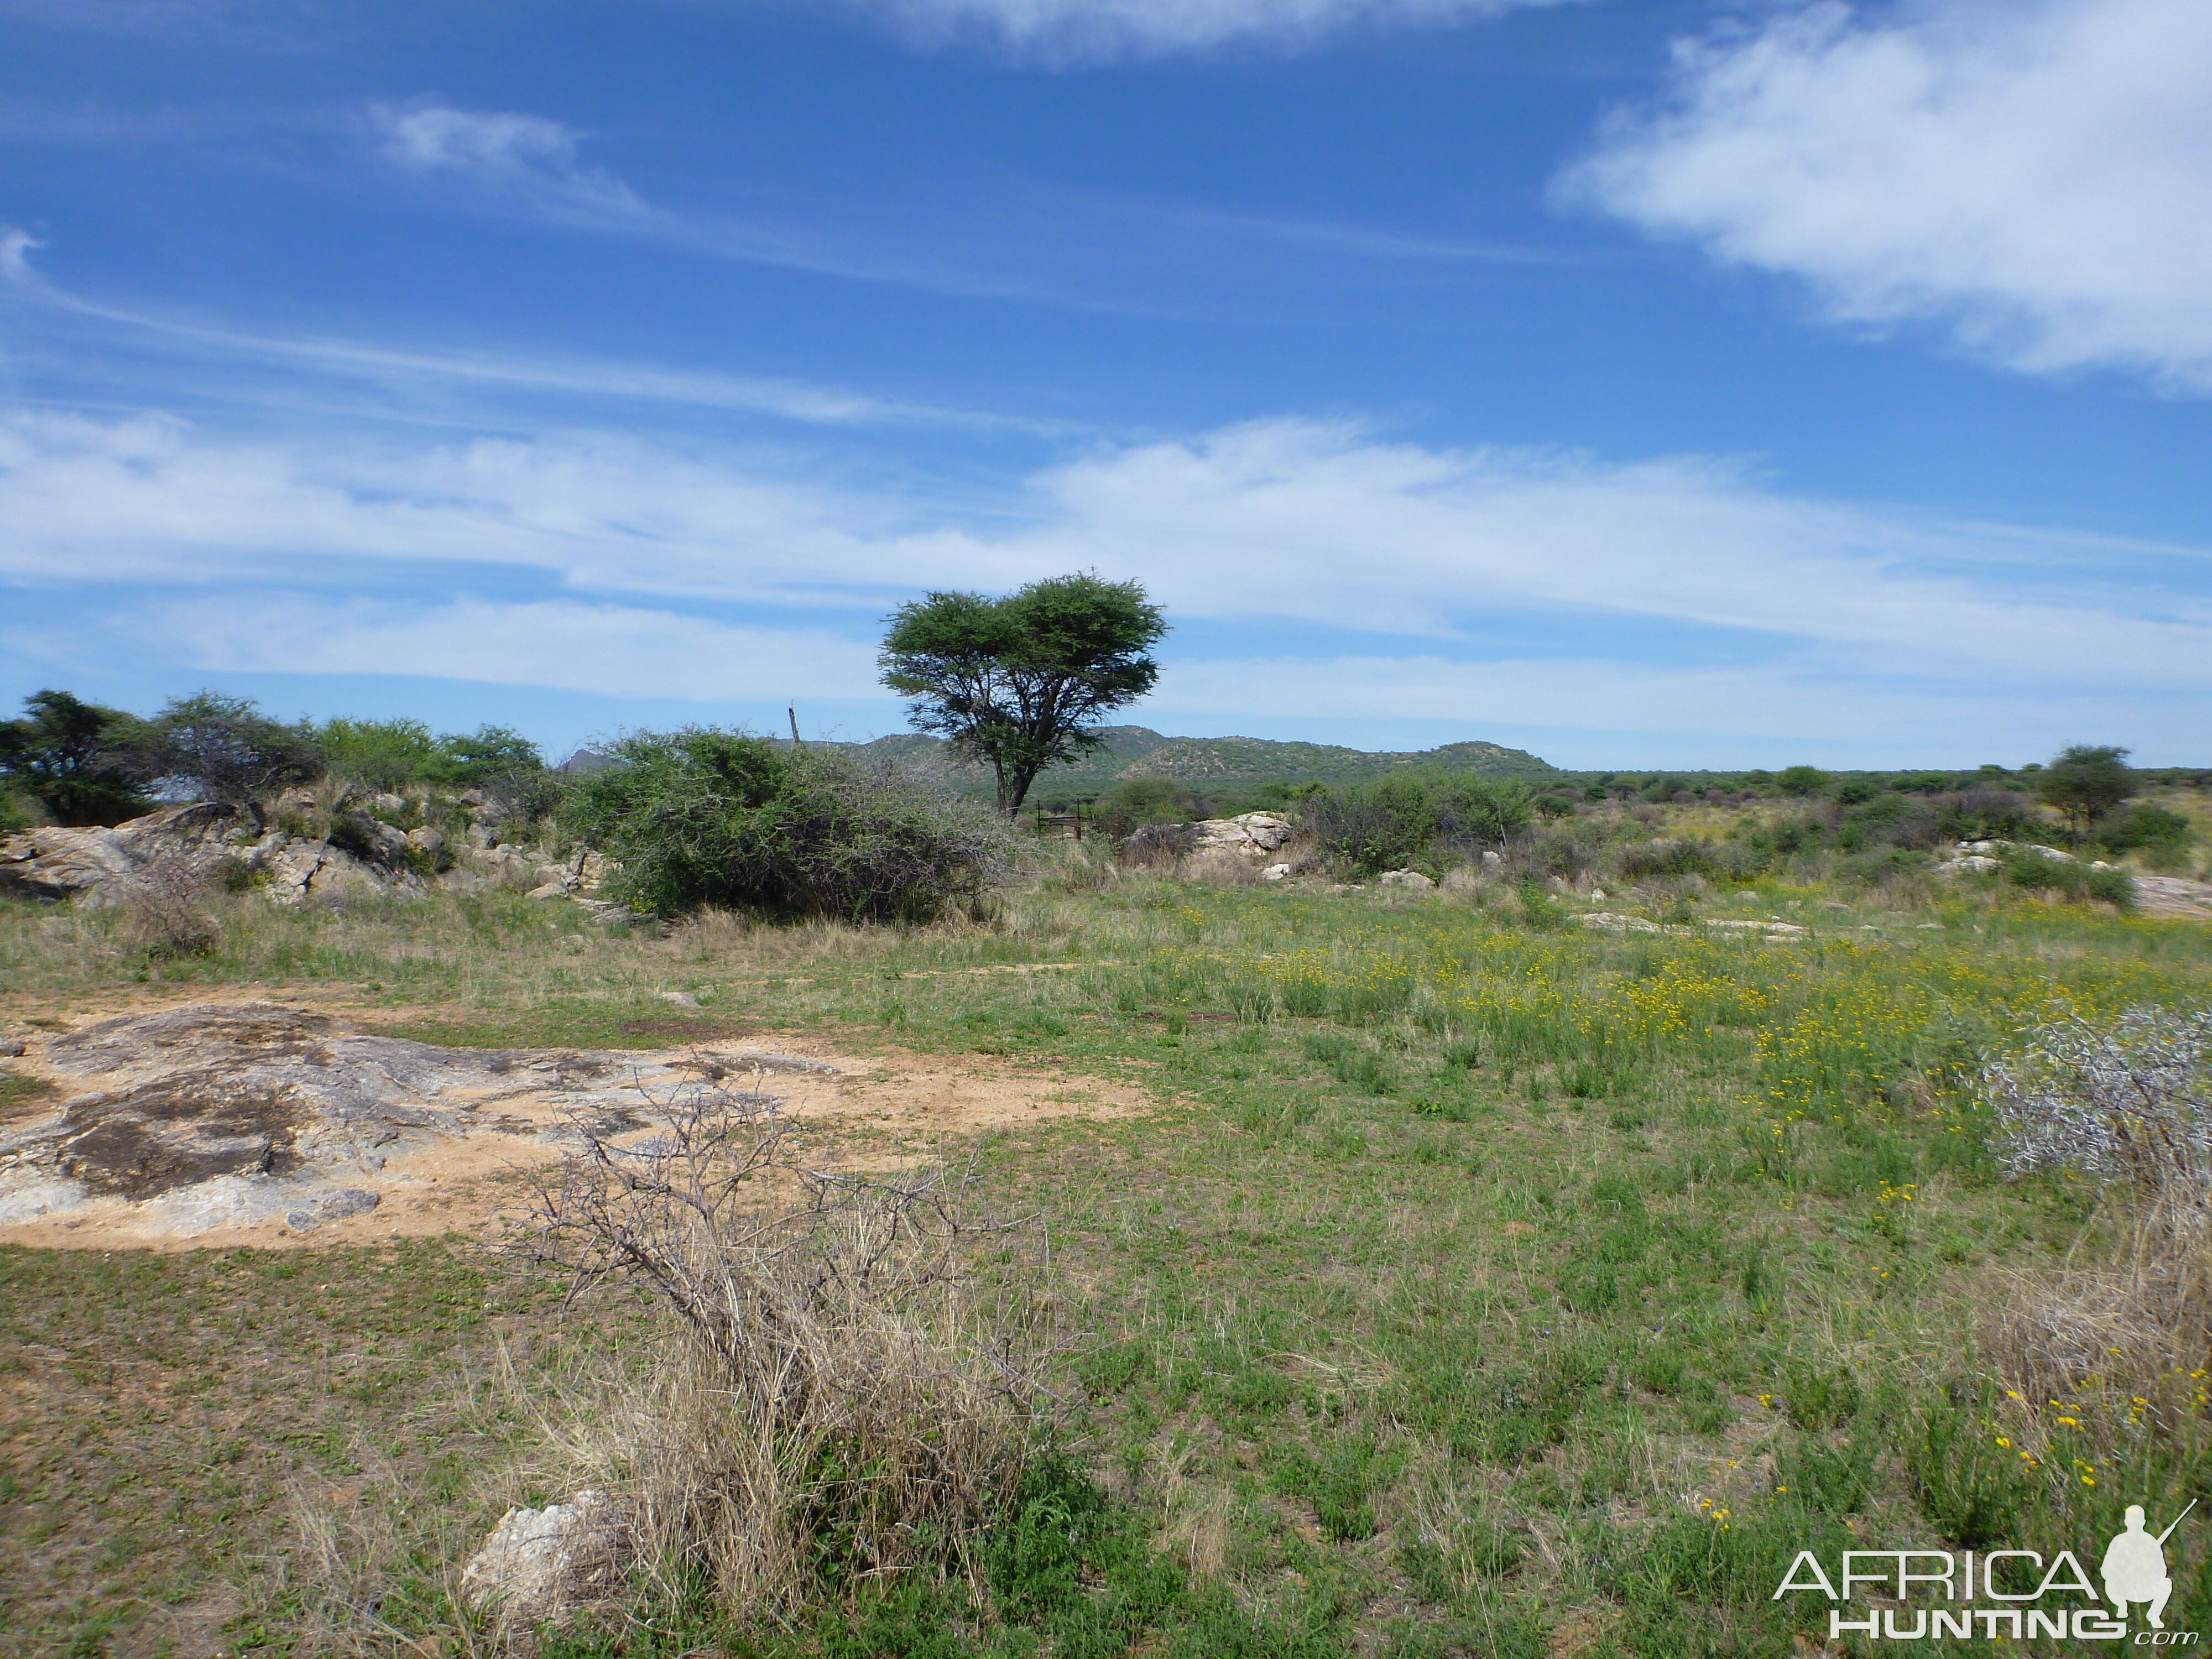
[2086, 782]
[1018, 681]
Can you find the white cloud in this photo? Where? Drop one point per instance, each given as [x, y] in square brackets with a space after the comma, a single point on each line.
[524, 156]
[2035, 174]
[1089, 30]
[1440, 583]
[612, 650]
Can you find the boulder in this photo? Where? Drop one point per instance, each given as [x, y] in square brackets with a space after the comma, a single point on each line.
[384, 801]
[1411, 880]
[426, 840]
[1491, 860]
[1276, 873]
[391, 841]
[53, 863]
[1247, 833]
[539, 1565]
[305, 870]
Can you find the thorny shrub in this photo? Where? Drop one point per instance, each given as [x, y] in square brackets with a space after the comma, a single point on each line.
[859, 1383]
[165, 907]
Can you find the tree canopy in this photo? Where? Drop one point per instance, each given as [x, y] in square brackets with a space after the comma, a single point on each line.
[225, 748]
[2085, 782]
[1019, 681]
[62, 752]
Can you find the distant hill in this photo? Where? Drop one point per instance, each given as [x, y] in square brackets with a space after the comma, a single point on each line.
[1136, 752]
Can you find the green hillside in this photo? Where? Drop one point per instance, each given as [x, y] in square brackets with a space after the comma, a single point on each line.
[1135, 752]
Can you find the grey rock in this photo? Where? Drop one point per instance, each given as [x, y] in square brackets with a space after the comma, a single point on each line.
[1411, 880]
[1276, 873]
[539, 1565]
[427, 841]
[1491, 860]
[386, 801]
[98, 865]
[1247, 832]
[198, 1118]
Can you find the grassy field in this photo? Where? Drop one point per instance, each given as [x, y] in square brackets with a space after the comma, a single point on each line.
[1482, 1282]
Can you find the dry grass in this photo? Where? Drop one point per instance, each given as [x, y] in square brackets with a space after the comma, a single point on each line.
[1219, 869]
[2125, 1105]
[856, 1391]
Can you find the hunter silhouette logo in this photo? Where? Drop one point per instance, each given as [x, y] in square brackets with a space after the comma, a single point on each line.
[2003, 1594]
[2135, 1567]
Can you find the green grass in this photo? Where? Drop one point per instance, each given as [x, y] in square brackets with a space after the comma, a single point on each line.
[1474, 1287]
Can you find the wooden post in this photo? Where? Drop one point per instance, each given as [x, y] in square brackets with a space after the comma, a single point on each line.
[793, 712]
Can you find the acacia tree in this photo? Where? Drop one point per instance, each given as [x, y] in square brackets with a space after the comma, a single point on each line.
[223, 748]
[61, 752]
[2086, 782]
[1019, 681]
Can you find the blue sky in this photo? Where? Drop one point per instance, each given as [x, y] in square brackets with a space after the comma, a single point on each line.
[1647, 384]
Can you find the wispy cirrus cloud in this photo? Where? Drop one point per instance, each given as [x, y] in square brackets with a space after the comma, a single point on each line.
[525, 158]
[1064, 31]
[2035, 176]
[518, 370]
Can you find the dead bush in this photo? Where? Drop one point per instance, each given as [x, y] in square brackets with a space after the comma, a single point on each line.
[858, 1384]
[165, 910]
[1220, 869]
[2129, 1107]
[2132, 1102]
[1158, 846]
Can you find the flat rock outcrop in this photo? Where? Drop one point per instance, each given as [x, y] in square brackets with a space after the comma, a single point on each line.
[178, 1122]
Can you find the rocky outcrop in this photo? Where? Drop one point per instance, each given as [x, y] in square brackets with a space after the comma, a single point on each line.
[53, 864]
[1247, 833]
[1411, 881]
[176, 1123]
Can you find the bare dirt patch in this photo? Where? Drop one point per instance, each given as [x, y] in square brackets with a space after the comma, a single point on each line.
[202, 1122]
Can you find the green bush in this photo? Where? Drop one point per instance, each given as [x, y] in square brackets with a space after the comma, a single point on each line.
[1802, 780]
[378, 754]
[703, 816]
[1136, 801]
[1888, 821]
[2144, 826]
[1666, 858]
[2068, 878]
[1986, 815]
[18, 811]
[1412, 816]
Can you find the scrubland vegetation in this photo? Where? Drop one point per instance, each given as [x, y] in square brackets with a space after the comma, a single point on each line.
[1483, 1279]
